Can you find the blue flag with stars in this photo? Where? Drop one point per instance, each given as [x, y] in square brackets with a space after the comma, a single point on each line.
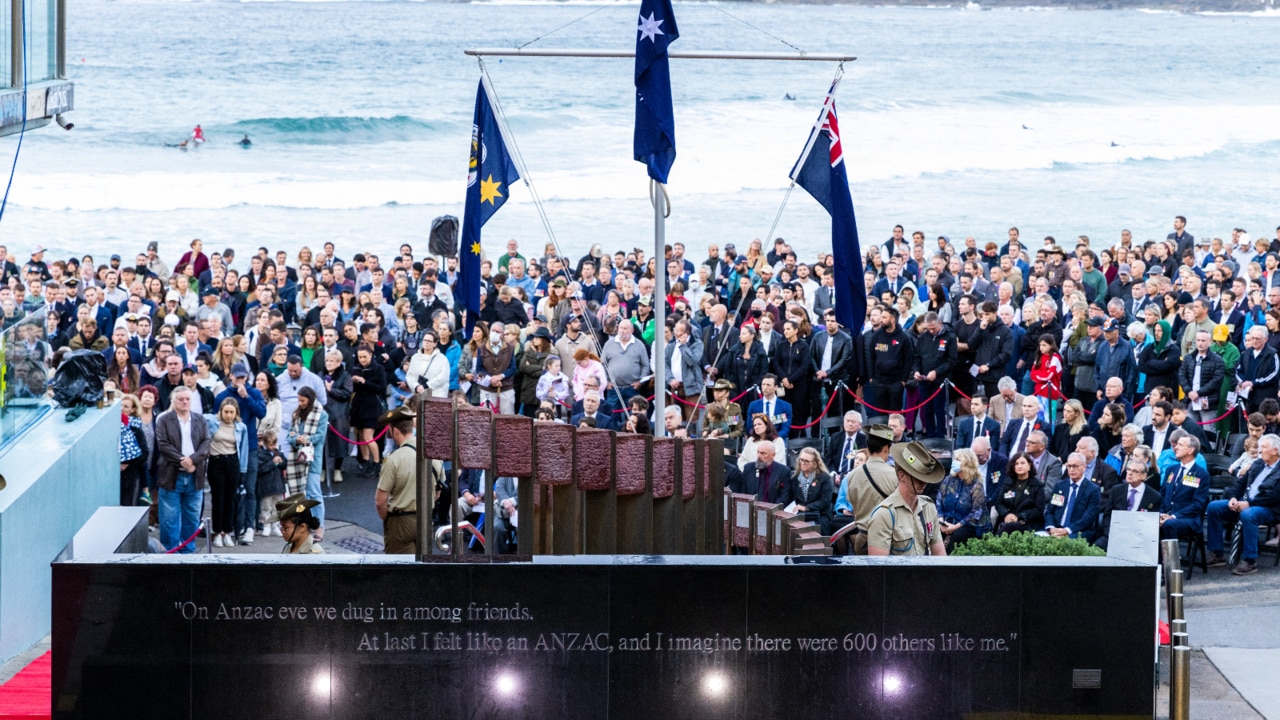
[489, 177]
[655, 138]
[821, 171]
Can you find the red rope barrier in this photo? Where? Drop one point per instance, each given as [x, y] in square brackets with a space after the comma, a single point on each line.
[887, 412]
[821, 415]
[1223, 416]
[187, 542]
[360, 442]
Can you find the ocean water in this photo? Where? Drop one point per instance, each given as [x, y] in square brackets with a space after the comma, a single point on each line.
[955, 121]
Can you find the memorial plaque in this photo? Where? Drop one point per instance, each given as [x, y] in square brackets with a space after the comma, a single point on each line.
[555, 453]
[764, 528]
[743, 520]
[781, 535]
[475, 437]
[618, 638]
[437, 433]
[1134, 536]
[515, 445]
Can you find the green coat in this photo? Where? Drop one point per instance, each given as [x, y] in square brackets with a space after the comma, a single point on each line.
[1230, 355]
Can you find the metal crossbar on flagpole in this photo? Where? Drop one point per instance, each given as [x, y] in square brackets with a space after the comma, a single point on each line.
[673, 54]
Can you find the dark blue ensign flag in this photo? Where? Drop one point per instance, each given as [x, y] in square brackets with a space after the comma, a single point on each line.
[489, 176]
[821, 171]
[655, 139]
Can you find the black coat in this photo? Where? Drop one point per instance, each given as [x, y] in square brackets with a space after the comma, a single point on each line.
[1160, 368]
[779, 484]
[744, 373]
[791, 361]
[817, 496]
[1026, 501]
[367, 400]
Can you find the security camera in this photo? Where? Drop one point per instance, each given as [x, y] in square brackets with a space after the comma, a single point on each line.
[62, 122]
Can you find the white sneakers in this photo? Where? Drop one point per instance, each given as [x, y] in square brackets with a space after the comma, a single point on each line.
[246, 537]
[217, 541]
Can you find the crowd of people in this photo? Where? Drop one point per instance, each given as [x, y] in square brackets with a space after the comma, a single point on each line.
[1049, 365]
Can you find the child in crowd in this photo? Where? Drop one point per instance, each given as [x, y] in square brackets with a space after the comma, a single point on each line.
[271, 464]
[1046, 373]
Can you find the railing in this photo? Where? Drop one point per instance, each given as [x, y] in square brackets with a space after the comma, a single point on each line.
[24, 374]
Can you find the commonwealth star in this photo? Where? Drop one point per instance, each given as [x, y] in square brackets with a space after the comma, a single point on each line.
[650, 27]
[489, 190]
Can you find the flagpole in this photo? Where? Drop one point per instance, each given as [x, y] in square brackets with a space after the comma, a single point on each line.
[659, 192]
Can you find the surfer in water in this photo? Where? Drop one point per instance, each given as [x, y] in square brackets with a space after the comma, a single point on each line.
[197, 135]
[245, 141]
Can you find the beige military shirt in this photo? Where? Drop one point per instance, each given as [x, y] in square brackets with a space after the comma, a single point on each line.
[865, 494]
[399, 478]
[894, 527]
[306, 547]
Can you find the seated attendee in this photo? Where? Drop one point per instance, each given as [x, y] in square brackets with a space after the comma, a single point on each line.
[1185, 492]
[762, 433]
[1096, 470]
[1107, 427]
[1114, 393]
[1020, 499]
[1142, 415]
[1019, 430]
[591, 409]
[1048, 467]
[991, 467]
[1168, 458]
[1133, 495]
[1130, 438]
[777, 409]
[1182, 421]
[1074, 426]
[812, 490]
[674, 423]
[1253, 501]
[979, 423]
[1255, 427]
[839, 448]
[1246, 459]
[1073, 508]
[767, 480]
[1156, 435]
[962, 501]
[1007, 405]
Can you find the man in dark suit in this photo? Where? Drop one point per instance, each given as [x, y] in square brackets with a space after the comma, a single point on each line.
[1186, 492]
[1156, 435]
[1015, 437]
[1096, 470]
[778, 410]
[1048, 467]
[767, 480]
[1073, 508]
[824, 298]
[839, 447]
[1257, 371]
[991, 465]
[1133, 495]
[591, 409]
[980, 424]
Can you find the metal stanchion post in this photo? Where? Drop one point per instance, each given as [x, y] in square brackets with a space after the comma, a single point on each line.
[1179, 681]
[207, 524]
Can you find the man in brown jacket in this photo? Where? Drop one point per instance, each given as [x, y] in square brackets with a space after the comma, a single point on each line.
[182, 439]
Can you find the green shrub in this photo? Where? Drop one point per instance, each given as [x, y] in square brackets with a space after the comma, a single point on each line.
[1027, 544]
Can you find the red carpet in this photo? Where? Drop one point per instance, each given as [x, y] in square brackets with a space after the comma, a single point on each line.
[29, 694]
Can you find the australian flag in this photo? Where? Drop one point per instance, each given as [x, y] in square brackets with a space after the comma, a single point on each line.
[489, 178]
[821, 171]
[655, 139]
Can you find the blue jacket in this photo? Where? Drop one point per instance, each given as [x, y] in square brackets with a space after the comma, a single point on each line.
[242, 440]
[1084, 512]
[781, 414]
[1185, 494]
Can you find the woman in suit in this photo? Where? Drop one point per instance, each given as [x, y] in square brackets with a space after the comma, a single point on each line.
[745, 364]
[1020, 503]
[792, 364]
[812, 489]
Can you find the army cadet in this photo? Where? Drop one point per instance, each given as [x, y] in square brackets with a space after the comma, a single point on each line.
[720, 393]
[297, 523]
[397, 495]
[906, 522]
[868, 485]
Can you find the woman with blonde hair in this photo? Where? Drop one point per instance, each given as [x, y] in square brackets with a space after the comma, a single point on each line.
[812, 489]
[1074, 426]
[962, 501]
